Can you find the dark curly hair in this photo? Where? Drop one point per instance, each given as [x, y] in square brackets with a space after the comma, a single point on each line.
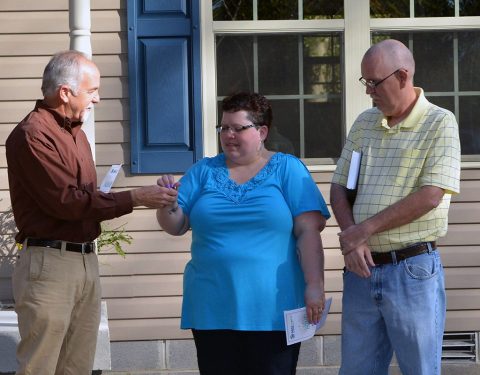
[257, 106]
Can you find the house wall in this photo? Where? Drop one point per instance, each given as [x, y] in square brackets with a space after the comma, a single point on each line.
[143, 291]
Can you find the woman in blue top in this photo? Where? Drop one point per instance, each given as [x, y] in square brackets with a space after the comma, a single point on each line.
[256, 218]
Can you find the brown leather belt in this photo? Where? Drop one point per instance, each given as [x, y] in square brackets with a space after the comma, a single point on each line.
[402, 254]
[84, 248]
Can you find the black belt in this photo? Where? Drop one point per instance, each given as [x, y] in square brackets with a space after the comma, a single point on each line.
[84, 248]
[399, 255]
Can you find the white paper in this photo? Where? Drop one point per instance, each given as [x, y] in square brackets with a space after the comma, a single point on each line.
[297, 327]
[109, 178]
[354, 170]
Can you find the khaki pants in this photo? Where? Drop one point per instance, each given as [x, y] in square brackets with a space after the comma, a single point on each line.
[57, 299]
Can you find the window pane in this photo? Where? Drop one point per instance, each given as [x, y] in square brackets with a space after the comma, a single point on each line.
[468, 60]
[278, 10]
[446, 102]
[469, 8]
[321, 60]
[434, 61]
[469, 126]
[284, 135]
[234, 64]
[322, 78]
[379, 36]
[302, 77]
[232, 10]
[323, 128]
[322, 9]
[423, 8]
[390, 9]
[278, 64]
[434, 8]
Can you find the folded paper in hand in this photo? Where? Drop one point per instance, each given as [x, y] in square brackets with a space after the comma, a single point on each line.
[354, 170]
[297, 327]
[109, 178]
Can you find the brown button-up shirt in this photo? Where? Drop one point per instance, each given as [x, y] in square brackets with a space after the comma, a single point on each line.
[53, 183]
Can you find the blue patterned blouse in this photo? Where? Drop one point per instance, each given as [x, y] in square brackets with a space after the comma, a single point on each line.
[244, 270]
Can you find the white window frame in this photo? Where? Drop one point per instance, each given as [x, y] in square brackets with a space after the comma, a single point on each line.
[356, 27]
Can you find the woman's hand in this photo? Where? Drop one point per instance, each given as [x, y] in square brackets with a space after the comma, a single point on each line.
[169, 192]
[314, 302]
[171, 217]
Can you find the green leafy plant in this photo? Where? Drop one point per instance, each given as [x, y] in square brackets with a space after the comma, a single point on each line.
[115, 238]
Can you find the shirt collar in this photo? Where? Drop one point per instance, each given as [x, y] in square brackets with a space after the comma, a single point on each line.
[63, 121]
[413, 117]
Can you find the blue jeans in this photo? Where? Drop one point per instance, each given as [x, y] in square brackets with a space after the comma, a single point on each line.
[401, 309]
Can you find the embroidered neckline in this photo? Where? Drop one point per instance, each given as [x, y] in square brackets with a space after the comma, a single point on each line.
[236, 192]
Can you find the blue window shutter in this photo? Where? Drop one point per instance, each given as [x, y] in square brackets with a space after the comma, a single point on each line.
[164, 85]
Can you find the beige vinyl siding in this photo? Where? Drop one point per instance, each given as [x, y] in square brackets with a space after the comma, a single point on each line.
[24, 50]
[134, 291]
[143, 291]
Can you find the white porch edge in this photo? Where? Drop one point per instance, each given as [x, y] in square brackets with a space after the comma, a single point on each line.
[80, 25]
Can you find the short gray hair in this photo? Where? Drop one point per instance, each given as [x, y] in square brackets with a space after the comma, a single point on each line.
[64, 68]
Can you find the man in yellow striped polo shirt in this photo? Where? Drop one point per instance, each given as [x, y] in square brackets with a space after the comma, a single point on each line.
[394, 294]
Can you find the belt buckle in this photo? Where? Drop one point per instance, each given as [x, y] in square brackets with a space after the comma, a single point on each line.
[84, 246]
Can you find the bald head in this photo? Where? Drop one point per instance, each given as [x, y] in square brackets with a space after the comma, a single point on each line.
[392, 55]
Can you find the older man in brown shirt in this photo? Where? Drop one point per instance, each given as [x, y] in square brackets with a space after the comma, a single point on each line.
[58, 210]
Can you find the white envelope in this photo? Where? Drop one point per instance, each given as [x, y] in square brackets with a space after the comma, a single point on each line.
[109, 178]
